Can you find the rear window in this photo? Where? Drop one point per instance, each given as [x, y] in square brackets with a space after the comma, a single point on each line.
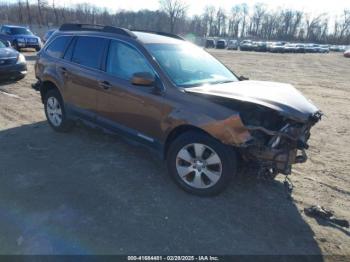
[57, 47]
[88, 51]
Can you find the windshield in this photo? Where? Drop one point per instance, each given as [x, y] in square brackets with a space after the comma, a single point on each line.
[188, 66]
[20, 31]
[2, 45]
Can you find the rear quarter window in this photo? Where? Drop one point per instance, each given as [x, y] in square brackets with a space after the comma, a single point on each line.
[89, 51]
[57, 47]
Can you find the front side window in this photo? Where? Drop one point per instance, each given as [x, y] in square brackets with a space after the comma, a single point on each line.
[188, 66]
[88, 51]
[57, 47]
[124, 61]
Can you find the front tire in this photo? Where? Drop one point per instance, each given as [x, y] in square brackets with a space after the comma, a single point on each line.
[200, 164]
[55, 112]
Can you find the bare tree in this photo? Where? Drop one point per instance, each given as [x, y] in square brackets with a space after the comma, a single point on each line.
[245, 11]
[175, 9]
[259, 12]
[20, 15]
[55, 12]
[28, 13]
[282, 24]
[345, 25]
[313, 26]
[209, 14]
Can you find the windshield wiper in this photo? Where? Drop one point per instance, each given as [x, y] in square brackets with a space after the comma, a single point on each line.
[221, 82]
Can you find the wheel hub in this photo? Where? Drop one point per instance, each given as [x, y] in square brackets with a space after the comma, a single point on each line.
[199, 165]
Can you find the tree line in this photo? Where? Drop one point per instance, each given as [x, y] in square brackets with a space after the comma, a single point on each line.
[240, 22]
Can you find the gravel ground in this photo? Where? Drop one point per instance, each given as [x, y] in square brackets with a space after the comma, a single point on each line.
[87, 192]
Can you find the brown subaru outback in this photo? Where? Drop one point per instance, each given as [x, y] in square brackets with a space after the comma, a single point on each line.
[170, 95]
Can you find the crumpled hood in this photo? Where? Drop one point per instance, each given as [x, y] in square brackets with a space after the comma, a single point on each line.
[278, 96]
[8, 53]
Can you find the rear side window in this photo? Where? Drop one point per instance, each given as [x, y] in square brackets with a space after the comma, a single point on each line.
[88, 51]
[57, 47]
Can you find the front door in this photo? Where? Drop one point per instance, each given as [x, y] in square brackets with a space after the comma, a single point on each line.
[135, 110]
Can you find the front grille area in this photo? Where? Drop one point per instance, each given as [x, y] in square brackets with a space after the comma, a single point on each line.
[8, 61]
[31, 40]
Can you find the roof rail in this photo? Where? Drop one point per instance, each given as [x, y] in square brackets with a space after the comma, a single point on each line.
[101, 28]
[160, 33]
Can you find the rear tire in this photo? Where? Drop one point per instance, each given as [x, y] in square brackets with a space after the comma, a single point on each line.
[210, 164]
[55, 112]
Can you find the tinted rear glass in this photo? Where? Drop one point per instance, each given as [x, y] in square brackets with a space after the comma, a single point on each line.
[88, 51]
[57, 47]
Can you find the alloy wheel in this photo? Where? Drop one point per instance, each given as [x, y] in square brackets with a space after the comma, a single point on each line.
[198, 165]
[54, 111]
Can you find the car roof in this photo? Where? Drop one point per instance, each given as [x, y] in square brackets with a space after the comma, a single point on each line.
[15, 26]
[143, 37]
[153, 38]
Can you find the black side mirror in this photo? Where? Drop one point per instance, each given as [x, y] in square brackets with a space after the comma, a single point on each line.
[243, 78]
[143, 79]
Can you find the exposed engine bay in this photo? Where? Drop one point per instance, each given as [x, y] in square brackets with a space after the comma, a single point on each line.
[277, 140]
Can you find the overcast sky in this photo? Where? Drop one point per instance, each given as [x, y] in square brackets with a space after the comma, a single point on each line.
[332, 7]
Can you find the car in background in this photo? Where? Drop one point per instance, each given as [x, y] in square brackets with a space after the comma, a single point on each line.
[209, 43]
[342, 48]
[20, 37]
[13, 64]
[260, 46]
[232, 45]
[300, 48]
[291, 48]
[323, 49]
[246, 45]
[312, 48]
[277, 47]
[221, 44]
[48, 35]
[337, 48]
[347, 53]
[334, 48]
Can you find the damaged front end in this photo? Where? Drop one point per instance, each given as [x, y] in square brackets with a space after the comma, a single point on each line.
[278, 142]
[274, 118]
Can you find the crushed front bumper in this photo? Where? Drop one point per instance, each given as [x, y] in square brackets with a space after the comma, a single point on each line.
[276, 160]
[283, 148]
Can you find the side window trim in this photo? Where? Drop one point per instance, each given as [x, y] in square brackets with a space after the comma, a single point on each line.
[105, 57]
[71, 44]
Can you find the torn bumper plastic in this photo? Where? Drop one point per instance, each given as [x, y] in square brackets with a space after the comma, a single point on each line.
[276, 160]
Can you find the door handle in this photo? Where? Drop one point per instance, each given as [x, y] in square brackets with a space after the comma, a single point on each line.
[105, 85]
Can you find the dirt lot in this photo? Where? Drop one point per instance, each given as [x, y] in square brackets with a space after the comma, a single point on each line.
[90, 193]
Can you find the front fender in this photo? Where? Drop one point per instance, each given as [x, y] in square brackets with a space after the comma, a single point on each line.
[230, 130]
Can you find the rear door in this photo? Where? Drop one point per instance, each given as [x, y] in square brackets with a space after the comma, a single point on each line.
[82, 74]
